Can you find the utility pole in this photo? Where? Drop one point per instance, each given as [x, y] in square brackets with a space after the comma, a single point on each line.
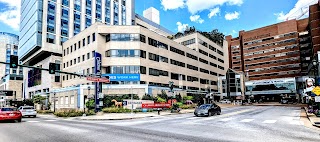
[131, 99]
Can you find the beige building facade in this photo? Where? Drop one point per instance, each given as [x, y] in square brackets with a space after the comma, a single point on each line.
[140, 61]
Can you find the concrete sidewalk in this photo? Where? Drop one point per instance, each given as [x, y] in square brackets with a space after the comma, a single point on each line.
[314, 120]
[125, 116]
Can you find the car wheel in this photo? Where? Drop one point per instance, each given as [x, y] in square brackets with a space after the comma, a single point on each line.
[34, 116]
[219, 112]
[210, 113]
[19, 120]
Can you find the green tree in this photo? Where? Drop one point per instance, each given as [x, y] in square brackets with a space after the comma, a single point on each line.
[179, 98]
[163, 95]
[161, 100]
[90, 104]
[187, 98]
[147, 97]
[37, 99]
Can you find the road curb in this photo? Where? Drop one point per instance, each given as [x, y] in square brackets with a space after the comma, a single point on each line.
[93, 119]
[311, 121]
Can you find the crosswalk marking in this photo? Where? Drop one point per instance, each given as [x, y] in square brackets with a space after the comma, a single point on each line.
[297, 123]
[33, 121]
[226, 119]
[246, 120]
[269, 121]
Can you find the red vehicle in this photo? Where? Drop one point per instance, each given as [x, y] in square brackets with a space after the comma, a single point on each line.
[8, 113]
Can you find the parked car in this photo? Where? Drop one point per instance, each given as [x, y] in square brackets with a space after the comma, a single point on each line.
[8, 113]
[225, 101]
[207, 110]
[28, 111]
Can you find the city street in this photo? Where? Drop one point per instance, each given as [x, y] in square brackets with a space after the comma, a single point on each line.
[245, 123]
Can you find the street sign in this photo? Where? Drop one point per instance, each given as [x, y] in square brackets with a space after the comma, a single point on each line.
[6, 93]
[97, 79]
[100, 95]
[156, 105]
[317, 98]
[101, 103]
[316, 90]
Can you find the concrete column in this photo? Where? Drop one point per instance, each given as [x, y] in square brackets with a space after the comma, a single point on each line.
[103, 11]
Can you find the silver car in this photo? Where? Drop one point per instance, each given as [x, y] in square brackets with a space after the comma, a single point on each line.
[27, 111]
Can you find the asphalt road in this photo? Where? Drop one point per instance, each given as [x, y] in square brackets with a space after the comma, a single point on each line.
[250, 123]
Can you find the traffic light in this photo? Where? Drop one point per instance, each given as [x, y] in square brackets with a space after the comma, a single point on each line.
[13, 61]
[52, 68]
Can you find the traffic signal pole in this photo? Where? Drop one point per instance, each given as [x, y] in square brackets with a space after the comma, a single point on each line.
[58, 71]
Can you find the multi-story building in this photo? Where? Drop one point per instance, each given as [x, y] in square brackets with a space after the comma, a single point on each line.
[46, 24]
[11, 79]
[140, 61]
[314, 20]
[268, 52]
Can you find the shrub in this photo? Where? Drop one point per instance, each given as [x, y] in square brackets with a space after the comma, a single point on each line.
[187, 106]
[44, 111]
[179, 104]
[115, 110]
[72, 113]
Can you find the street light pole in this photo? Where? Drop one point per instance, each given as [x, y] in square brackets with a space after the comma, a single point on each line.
[171, 89]
[54, 102]
[131, 99]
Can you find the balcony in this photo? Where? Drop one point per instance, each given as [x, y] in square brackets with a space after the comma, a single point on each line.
[274, 64]
[271, 59]
[268, 47]
[273, 76]
[270, 41]
[273, 71]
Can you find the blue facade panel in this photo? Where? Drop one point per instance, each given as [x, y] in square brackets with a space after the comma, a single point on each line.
[30, 26]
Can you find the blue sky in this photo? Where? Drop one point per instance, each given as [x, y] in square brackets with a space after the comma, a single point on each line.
[228, 16]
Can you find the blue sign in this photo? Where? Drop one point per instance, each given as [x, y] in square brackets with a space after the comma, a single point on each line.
[123, 77]
[97, 71]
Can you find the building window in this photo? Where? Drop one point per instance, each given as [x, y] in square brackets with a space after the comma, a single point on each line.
[88, 56]
[83, 57]
[57, 75]
[93, 37]
[78, 59]
[50, 38]
[83, 42]
[74, 61]
[93, 52]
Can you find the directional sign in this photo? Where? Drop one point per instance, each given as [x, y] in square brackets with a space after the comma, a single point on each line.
[6, 93]
[316, 90]
[97, 79]
[156, 105]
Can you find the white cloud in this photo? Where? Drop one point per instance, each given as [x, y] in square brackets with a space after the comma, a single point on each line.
[232, 16]
[195, 6]
[196, 18]
[214, 12]
[172, 4]
[296, 12]
[11, 14]
[181, 27]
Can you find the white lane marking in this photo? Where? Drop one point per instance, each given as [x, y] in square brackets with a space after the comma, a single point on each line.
[269, 121]
[246, 120]
[51, 120]
[32, 121]
[226, 119]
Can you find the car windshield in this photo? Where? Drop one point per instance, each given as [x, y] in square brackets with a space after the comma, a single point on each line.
[28, 108]
[205, 106]
[8, 109]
